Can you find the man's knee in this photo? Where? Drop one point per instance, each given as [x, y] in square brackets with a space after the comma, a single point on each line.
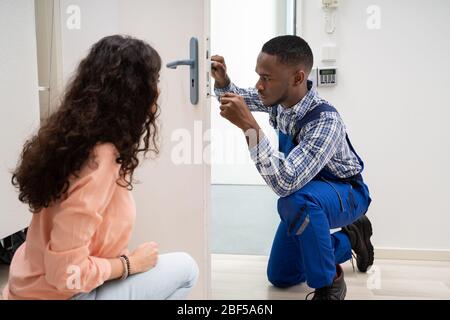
[279, 283]
[283, 280]
[282, 283]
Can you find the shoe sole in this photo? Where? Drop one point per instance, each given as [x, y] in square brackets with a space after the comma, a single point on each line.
[366, 227]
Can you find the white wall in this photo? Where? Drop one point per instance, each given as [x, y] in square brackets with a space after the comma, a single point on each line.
[19, 103]
[99, 18]
[394, 96]
[238, 31]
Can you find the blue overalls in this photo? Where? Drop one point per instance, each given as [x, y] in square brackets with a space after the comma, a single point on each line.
[303, 248]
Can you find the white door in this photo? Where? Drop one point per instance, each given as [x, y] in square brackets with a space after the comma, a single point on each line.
[19, 103]
[172, 199]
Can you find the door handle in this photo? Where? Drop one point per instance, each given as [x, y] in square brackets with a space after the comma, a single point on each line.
[193, 66]
[175, 64]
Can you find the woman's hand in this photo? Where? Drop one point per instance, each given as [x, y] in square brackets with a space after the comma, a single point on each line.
[144, 257]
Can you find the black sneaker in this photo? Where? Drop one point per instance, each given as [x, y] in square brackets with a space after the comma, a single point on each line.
[336, 291]
[359, 233]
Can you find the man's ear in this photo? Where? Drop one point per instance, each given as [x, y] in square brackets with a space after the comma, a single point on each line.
[299, 77]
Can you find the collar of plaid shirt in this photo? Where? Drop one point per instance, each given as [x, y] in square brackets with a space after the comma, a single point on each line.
[288, 117]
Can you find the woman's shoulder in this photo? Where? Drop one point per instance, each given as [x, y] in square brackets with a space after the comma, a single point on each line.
[100, 168]
[102, 158]
[105, 151]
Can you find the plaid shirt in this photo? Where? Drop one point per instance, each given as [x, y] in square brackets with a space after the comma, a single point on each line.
[321, 144]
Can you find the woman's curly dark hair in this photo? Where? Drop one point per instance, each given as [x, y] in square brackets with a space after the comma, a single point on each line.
[111, 99]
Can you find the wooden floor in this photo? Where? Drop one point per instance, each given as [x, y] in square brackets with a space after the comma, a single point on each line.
[244, 277]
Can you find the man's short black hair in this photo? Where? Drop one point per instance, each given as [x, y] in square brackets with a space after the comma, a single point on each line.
[291, 50]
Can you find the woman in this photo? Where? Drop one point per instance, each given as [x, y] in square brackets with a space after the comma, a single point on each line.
[76, 175]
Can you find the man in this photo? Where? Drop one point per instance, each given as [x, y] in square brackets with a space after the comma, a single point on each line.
[316, 171]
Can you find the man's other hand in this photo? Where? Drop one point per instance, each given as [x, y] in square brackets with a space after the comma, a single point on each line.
[219, 71]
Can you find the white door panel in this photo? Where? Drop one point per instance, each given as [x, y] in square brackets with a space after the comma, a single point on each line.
[19, 103]
[172, 200]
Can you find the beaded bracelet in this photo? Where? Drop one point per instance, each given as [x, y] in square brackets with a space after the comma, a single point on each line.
[126, 269]
[127, 265]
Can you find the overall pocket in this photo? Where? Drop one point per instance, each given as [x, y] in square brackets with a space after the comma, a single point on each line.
[341, 203]
[352, 203]
[347, 203]
[299, 223]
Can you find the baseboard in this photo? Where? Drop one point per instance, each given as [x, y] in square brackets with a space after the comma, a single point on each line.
[412, 254]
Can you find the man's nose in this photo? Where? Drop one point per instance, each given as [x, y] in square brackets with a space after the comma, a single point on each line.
[259, 86]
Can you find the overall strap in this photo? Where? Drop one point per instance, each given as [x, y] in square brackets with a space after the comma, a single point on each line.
[287, 143]
[312, 115]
